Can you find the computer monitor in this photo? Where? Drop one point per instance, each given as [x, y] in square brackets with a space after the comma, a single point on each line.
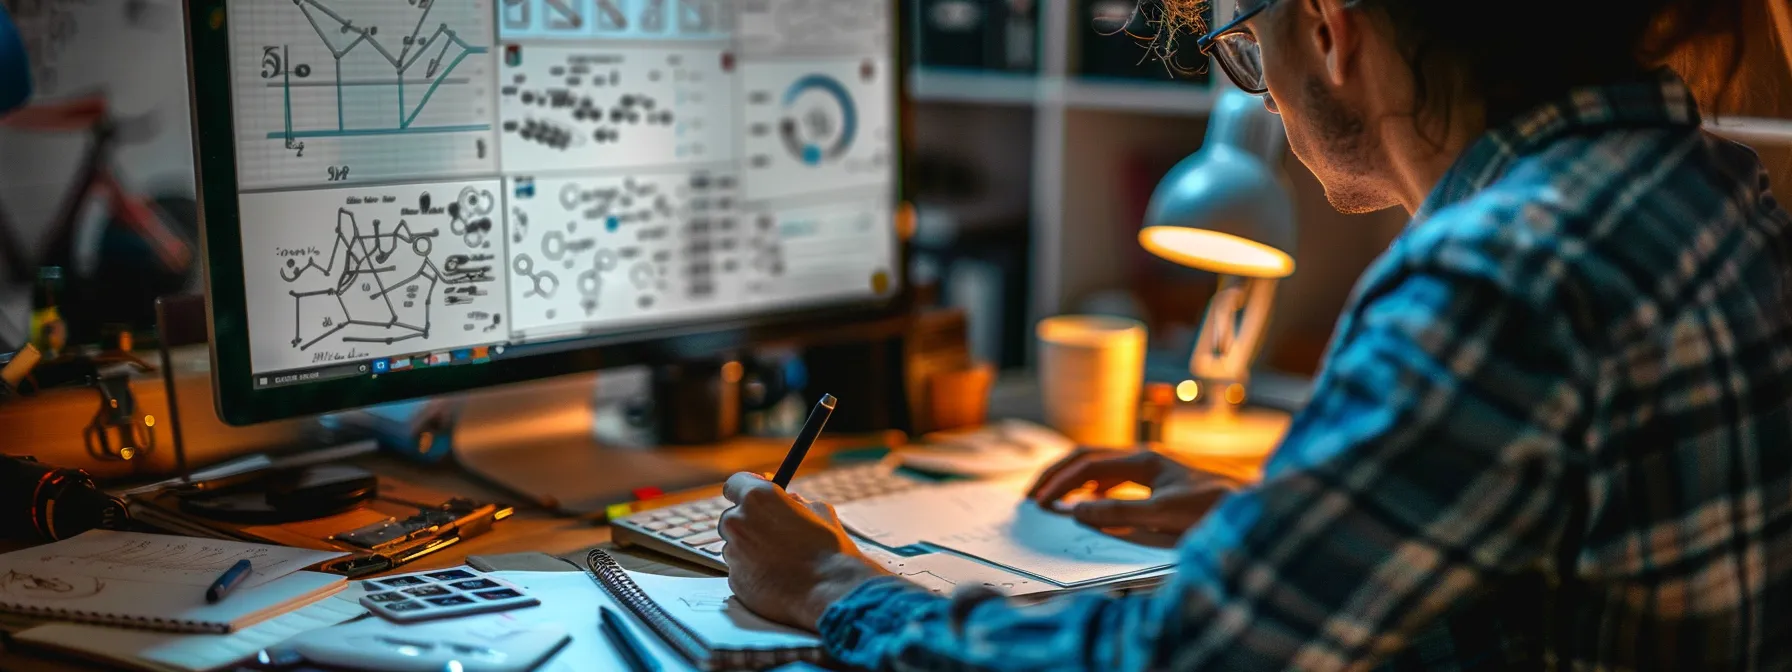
[411, 197]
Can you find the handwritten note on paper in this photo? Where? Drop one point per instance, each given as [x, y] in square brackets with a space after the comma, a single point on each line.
[101, 555]
[995, 523]
[708, 607]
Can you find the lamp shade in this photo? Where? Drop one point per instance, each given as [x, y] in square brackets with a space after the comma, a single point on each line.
[1225, 209]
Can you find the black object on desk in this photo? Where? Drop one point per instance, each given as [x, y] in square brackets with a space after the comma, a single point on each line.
[228, 581]
[818, 418]
[627, 646]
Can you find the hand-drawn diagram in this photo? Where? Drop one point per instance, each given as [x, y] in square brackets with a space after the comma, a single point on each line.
[567, 108]
[706, 602]
[370, 272]
[348, 91]
[600, 252]
[29, 586]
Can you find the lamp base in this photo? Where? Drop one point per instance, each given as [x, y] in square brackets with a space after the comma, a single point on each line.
[1231, 442]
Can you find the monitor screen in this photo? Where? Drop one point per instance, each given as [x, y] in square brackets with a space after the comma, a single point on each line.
[428, 183]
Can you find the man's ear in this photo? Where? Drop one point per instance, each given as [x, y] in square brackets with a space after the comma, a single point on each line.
[1337, 36]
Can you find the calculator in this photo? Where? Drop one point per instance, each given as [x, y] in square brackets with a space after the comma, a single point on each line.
[441, 594]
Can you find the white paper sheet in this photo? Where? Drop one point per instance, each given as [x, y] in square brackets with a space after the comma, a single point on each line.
[994, 522]
[190, 653]
[707, 606]
[159, 558]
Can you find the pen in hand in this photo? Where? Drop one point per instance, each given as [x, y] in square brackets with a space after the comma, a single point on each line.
[228, 581]
[629, 648]
[818, 418]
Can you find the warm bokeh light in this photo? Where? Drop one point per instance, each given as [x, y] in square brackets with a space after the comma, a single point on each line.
[1216, 252]
[1188, 390]
[1235, 394]
[149, 421]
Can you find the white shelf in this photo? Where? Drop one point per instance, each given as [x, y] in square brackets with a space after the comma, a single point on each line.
[1166, 98]
[994, 88]
[1753, 131]
[961, 86]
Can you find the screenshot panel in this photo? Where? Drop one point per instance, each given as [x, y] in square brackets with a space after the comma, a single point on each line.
[430, 182]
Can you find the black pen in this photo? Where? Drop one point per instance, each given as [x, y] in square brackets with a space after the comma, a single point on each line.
[627, 646]
[228, 581]
[818, 418]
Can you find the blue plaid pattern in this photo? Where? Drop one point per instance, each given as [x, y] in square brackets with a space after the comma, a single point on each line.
[1552, 431]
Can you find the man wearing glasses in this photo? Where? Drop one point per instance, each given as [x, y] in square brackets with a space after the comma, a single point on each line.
[1554, 428]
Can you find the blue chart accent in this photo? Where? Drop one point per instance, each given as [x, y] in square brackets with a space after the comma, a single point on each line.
[612, 224]
[808, 152]
[402, 62]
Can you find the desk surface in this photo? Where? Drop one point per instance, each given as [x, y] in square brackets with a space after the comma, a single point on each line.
[536, 530]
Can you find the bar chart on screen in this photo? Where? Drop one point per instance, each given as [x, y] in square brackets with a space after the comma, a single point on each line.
[345, 91]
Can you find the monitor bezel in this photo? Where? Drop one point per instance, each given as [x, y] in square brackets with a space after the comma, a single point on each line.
[238, 402]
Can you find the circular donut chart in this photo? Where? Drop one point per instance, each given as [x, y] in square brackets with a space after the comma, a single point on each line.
[814, 151]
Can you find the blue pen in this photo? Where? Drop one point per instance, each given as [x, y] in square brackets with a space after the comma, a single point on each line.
[228, 581]
[633, 652]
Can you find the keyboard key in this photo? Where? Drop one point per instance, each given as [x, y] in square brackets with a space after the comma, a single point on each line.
[656, 525]
[700, 540]
[678, 520]
[714, 549]
[678, 532]
[703, 526]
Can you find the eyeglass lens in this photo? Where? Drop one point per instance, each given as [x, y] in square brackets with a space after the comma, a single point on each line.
[1242, 59]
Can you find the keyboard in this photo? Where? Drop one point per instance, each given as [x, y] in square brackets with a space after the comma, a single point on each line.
[687, 531]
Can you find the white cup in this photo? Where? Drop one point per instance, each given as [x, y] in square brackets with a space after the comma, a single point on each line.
[1091, 369]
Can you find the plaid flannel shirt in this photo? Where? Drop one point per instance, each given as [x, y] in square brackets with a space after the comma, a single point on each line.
[1552, 431]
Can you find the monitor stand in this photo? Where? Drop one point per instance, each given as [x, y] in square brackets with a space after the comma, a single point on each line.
[560, 446]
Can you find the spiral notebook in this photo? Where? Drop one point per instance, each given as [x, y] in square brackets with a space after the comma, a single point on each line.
[158, 582]
[702, 621]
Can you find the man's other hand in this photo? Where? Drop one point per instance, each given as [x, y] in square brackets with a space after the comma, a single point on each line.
[788, 559]
[1180, 496]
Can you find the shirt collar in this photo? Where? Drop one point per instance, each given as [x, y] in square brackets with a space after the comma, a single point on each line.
[1660, 98]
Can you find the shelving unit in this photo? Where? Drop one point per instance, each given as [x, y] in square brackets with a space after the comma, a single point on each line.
[1085, 132]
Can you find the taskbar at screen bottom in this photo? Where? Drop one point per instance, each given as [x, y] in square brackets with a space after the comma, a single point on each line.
[379, 366]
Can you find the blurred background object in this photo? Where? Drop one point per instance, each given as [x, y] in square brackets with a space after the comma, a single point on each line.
[107, 195]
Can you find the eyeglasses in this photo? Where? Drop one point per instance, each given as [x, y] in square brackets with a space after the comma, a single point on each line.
[1236, 49]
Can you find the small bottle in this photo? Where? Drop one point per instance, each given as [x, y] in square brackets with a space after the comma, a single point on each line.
[1154, 410]
[49, 333]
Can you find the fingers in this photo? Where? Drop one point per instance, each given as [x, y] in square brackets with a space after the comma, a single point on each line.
[1110, 513]
[825, 510]
[1075, 456]
[738, 485]
[1107, 471]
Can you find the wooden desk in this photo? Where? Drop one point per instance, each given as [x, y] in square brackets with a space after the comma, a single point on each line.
[536, 530]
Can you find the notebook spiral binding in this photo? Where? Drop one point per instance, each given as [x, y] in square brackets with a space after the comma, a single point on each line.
[613, 578]
[99, 618]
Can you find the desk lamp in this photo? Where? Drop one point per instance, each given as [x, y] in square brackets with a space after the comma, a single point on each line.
[1226, 210]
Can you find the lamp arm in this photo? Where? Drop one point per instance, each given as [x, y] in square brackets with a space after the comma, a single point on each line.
[1237, 320]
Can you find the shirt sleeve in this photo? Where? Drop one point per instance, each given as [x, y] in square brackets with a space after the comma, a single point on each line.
[1429, 464]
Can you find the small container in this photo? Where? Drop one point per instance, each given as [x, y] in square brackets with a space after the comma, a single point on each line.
[48, 331]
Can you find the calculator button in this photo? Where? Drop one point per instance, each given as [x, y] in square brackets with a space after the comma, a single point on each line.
[426, 591]
[656, 525]
[679, 532]
[450, 601]
[475, 584]
[703, 539]
[402, 581]
[499, 594]
[406, 605]
[715, 548]
[450, 575]
[393, 596]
